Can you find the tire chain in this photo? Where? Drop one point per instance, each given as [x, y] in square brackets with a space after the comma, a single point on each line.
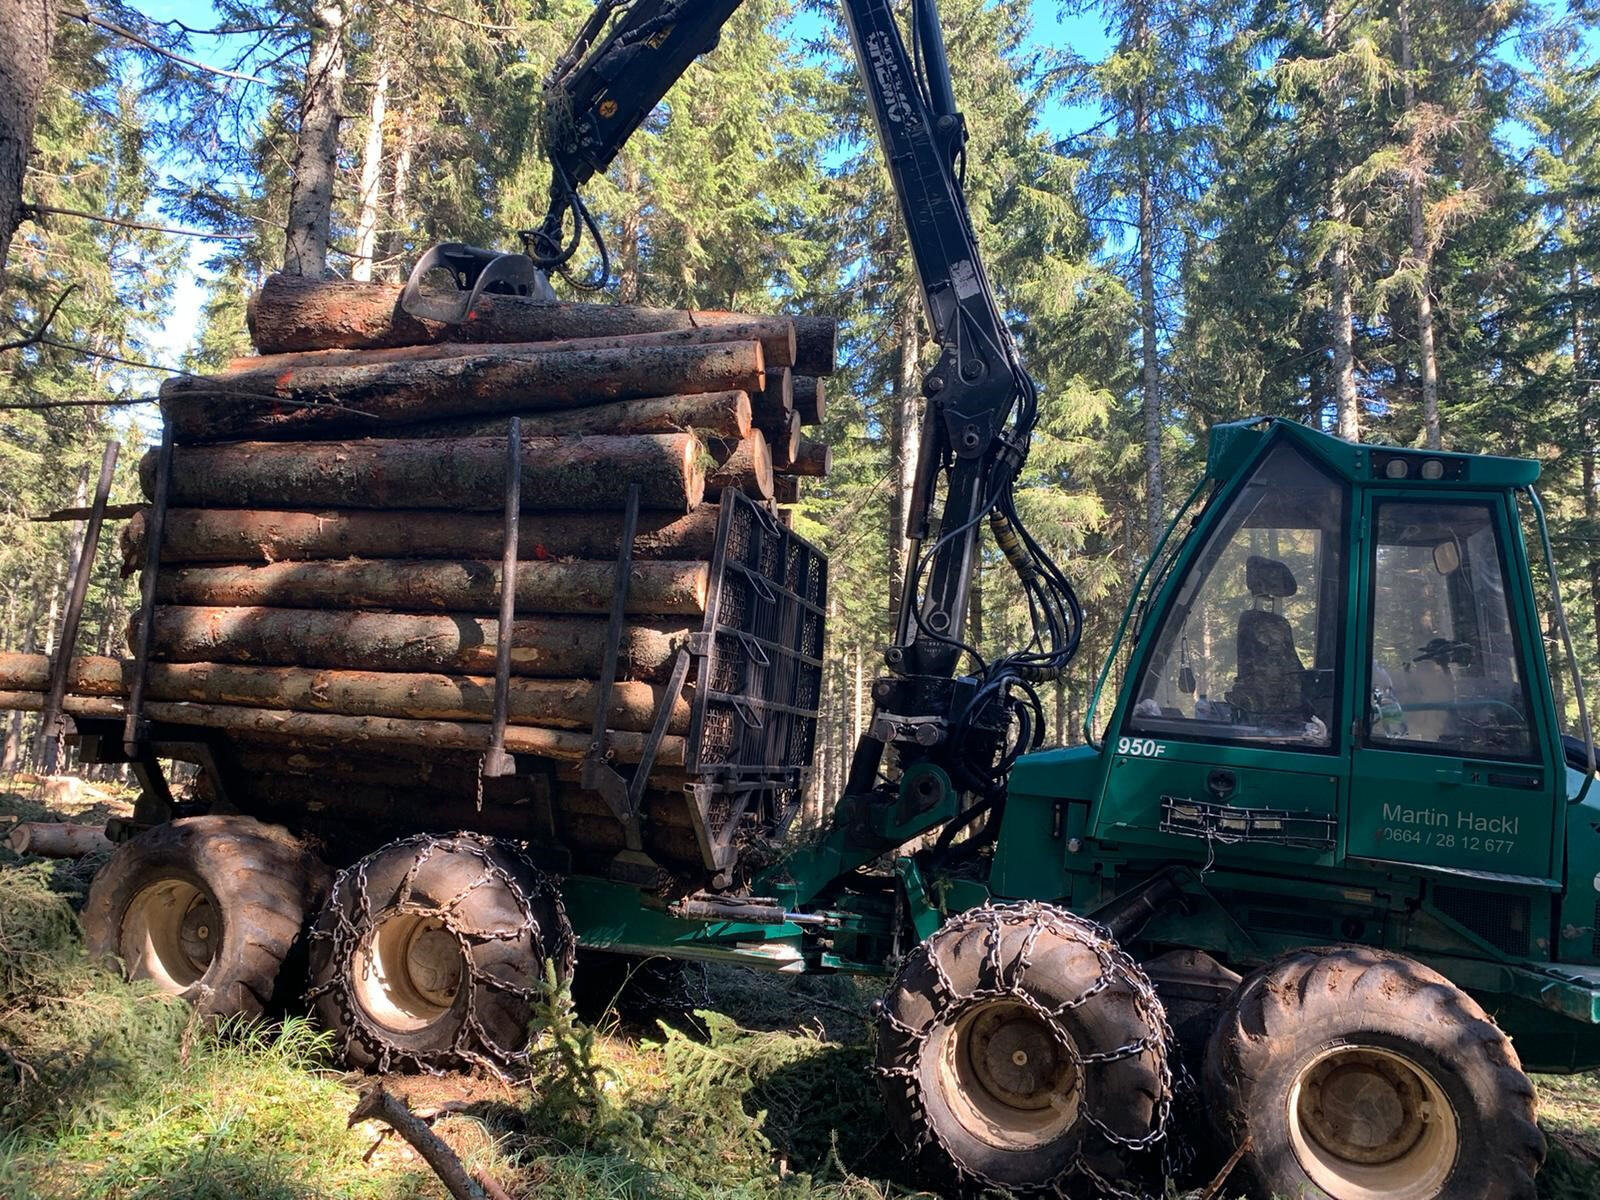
[1114, 962]
[349, 932]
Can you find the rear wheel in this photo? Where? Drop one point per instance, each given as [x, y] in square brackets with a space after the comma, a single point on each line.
[205, 907]
[432, 952]
[1019, 1048]
[1358, 1074]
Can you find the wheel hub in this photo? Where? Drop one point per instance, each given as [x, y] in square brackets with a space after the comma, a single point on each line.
[1009, 1076]
[170, 933]
[1367, 1122]
[408, 972]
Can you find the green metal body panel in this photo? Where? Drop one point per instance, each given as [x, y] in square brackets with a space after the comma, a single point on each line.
[1486, 869]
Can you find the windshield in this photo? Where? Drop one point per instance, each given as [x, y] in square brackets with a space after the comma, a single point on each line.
[1249, 645]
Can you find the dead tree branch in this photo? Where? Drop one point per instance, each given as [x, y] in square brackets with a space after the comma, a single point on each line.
[129, 35]
[30, 209]
[38, 335]
[376, 1104]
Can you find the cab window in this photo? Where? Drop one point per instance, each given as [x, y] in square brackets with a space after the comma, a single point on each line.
[1446, 673]
[1248, 648]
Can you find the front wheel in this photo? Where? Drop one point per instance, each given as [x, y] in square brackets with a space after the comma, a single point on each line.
[1019, 1049]
[1358, 1075]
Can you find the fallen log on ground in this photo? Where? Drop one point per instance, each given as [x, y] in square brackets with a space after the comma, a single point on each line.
[233, 535]
[57, 839]
[548, 647]
[744, 466]
[554, 703]
[715, 414]
[294, 313]
[317, 401]
[591, 473]
[562, 744]
[655, 589]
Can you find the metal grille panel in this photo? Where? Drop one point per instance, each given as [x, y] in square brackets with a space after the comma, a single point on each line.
[1500, 920]
[754, 721]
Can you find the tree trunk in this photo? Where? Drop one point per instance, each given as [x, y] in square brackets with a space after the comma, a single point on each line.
[56, 839]
[290, 314]
[810, 399]
[223, 535]
[372, 168]
[905, 427]
[316, 155]
[1341, 302]
[1421, 254]
[559, 704]
[11, 753]
[744, 466]
[27, 31]
[709, 414]
[813, 459]
[1148, 235]
[655, 589]
[776, 335]
[557, 473]
[399, 197]
[547, 647]
[499, 379]
[564, 744]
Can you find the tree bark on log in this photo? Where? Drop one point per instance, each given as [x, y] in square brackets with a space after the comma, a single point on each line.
[302, 314]
[810, 399]
[564, 745]
[712, 414]
[57, 839]
[742, 466]
[549, 647]
[783, 439]
[655, 589]
[557, 473]
[814, 459]
[233, 535]
[786, 489]
[776, 335]
[776, 399]
[316, 401]
[557, 704]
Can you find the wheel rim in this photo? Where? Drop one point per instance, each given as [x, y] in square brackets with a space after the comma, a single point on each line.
[1009, 1076]
[408, 971]
[170, 934]
[1367, 1122]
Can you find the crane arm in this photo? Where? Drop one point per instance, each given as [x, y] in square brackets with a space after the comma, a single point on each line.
[981, 403]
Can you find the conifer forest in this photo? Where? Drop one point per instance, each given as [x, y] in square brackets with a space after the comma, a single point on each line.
[1376, 218]
[1380, 218]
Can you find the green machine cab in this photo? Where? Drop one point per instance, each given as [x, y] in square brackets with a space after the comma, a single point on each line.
[1337, 725]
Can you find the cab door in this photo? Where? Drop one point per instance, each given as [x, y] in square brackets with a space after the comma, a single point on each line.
[1448, 767]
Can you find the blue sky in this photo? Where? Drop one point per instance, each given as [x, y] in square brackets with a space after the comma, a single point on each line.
[1085, 34]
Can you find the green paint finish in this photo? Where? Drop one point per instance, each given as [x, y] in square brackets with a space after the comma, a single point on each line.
[610, 916]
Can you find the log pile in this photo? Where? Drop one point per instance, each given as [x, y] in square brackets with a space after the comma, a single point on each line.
[331, 556]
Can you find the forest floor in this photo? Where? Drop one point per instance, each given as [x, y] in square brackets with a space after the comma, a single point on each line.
[764, 1093]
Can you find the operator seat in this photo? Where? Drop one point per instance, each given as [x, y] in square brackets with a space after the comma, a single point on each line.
[1270, 670]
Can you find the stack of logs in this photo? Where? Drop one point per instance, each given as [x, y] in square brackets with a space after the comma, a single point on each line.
[330, 557]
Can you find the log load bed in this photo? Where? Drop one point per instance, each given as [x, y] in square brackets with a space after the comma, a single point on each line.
[332, 565]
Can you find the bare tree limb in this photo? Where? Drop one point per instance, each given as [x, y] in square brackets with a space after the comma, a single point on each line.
[38, 335]
[30, 209]
[377, 1104]
[129, 35]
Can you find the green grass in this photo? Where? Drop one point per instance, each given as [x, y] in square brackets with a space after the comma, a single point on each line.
[108, 1090]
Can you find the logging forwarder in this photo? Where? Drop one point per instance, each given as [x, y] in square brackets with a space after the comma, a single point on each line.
[1330, 852]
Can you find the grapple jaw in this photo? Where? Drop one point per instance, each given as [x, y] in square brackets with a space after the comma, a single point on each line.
[474, 271]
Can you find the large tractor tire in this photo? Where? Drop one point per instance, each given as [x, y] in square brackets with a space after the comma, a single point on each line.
[1019, 1049]
[432, 952]
[1357, 1074]
[206, 907]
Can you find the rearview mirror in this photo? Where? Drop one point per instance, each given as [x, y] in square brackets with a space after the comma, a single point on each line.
[1447, 557]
